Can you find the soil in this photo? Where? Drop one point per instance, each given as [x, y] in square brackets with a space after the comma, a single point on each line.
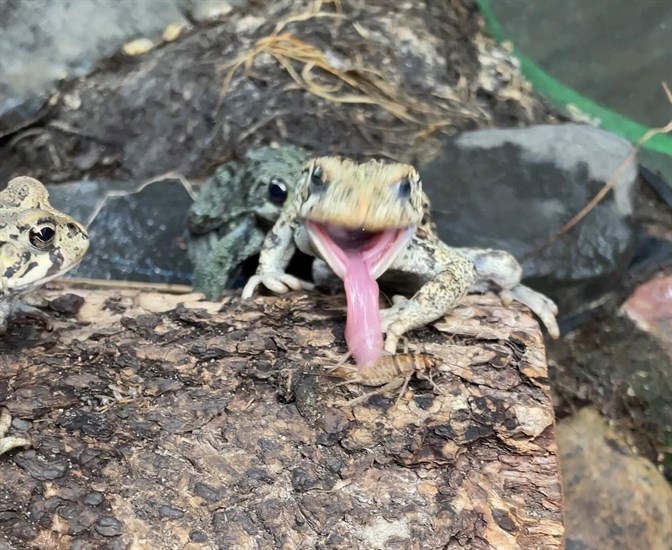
[390, 91]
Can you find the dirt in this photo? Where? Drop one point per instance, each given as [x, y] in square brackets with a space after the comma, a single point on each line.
[394, 80]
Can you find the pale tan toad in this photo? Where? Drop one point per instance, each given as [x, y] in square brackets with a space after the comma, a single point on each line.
[37, 244]
[369, 221]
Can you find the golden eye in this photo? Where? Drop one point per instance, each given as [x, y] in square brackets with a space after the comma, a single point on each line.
[42, 235]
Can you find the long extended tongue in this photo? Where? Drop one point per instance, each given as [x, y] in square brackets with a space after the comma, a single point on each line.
[363, 331]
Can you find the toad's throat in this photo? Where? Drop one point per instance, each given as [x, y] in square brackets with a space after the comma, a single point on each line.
[359, 257]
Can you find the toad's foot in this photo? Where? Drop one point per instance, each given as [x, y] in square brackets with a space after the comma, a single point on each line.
[30, 312]
[276, 281]
[542, 306]
[499, 271]
[11, 442]
[394, 321]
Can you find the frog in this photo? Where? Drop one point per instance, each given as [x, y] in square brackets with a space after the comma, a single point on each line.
[233, 212]
[37, 244]
[371, 221]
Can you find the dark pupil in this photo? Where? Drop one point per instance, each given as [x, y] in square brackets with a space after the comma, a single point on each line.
[42, 236]
[316, 178]
[277, 191]
[405, 189]
[45, 234]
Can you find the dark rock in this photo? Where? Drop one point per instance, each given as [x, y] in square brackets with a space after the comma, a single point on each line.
[513, 189]
[170, 512]
[40, 467]
[93, 499]
[68, 304]
[140, 236]
[208, 493]
[198, 536]
[91, 424]
[80, 199]
[43, 41]
[108, 526]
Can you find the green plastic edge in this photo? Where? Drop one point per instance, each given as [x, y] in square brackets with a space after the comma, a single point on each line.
[563, 96]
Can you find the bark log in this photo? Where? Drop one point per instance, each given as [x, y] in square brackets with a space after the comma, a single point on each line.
[163, 421]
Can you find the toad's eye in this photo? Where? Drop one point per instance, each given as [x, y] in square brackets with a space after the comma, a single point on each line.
[42, 235]
[404, 189]
[277, 191]
[316, 180]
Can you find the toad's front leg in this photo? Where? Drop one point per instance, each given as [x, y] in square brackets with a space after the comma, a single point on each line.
[449, 276]
[275, 255]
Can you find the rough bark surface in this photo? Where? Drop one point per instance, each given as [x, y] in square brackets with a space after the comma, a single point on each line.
[164, 421]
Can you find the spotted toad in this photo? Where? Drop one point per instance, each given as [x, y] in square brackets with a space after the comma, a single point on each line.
[233, 212]
[37, 244]
[371, 221]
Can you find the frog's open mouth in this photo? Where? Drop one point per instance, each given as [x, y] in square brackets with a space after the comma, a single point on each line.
[347, 250]
[359, 257]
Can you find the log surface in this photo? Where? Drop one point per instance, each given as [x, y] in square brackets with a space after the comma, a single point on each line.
[164, 421]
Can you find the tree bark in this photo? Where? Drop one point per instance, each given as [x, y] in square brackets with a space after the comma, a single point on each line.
[164, 421]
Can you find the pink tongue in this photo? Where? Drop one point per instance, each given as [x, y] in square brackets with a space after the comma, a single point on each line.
[363, 331]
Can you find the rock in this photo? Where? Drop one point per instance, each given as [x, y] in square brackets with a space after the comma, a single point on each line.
[612, 499]
[650, 308]
[139, 236]
[162, 111]
[512, 189]
[43, 42]
[80, 199]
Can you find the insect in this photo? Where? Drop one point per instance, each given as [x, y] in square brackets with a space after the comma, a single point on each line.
[387, 373]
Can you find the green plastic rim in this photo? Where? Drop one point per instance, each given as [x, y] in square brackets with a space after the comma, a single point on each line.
[563, 96]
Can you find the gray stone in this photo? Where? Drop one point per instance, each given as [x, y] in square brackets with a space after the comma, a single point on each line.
[80, 199]
[42, 42]
[513, 189]
[613, 499]
[136, 236]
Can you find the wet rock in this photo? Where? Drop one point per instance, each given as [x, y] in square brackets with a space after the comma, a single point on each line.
[650, 308]
[612, 499]
[140, 236]
[512, 189]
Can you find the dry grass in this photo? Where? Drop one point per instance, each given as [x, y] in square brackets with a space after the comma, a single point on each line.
[338, 81]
